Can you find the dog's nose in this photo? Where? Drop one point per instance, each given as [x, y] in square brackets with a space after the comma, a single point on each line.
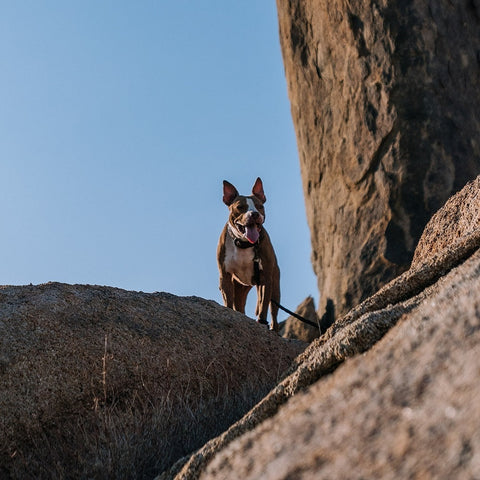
[253, 216]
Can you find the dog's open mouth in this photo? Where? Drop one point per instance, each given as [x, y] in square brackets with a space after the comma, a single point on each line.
[251, 231]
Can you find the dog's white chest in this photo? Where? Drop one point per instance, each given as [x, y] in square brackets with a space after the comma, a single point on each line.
[239, 262]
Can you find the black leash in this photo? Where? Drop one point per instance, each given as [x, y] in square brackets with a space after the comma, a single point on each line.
[296, 315]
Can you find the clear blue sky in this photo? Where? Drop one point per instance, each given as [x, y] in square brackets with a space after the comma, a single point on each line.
[118, 122]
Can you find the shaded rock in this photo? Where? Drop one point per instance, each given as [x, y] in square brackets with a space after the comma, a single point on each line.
[403, 409]
[98, 382]
[384, 100]
[296, 329]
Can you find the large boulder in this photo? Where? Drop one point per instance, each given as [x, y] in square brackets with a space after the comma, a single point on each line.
[384, 100]
[98, 382]
[405, 408]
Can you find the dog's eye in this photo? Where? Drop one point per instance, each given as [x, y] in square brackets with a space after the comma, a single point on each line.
[242, 208]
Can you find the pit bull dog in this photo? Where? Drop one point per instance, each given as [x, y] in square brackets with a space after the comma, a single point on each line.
[245, 255]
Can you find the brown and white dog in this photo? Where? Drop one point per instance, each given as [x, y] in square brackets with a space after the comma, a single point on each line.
[245, 255]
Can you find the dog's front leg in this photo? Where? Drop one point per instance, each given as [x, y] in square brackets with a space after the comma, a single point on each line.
[226, 287]
[240, 296]
[264, 293]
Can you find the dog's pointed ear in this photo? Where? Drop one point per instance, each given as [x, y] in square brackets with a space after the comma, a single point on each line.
[257, 190]
[230, 193]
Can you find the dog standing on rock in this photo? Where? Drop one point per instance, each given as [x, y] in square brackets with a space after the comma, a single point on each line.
[245, 255]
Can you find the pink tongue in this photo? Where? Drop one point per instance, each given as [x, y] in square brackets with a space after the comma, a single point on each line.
[251, 233]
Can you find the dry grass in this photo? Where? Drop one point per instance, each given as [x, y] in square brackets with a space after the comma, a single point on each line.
[136, 437]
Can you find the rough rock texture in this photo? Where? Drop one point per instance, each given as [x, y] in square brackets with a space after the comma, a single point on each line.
[459, 218]
[98, 382]
[294, 328]
[384, 99]
[406, 408]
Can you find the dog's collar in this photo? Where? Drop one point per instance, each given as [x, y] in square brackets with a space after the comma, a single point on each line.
[239, 242]
[244, 244]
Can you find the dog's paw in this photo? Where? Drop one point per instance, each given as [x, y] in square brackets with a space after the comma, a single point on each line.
[262, 322]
